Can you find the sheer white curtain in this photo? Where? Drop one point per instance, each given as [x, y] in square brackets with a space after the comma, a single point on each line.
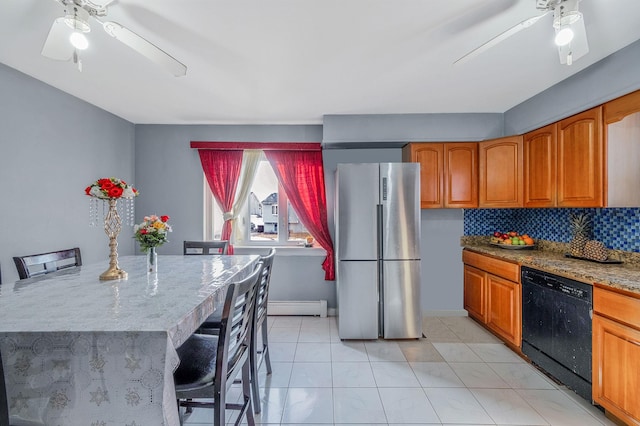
[250, 160]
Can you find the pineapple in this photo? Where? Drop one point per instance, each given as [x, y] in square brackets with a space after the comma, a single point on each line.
[595, 250]
[580, 229]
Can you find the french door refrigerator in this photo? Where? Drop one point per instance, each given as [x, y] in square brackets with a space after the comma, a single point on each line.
[378, 250]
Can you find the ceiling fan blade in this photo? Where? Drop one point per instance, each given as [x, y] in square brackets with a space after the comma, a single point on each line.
[57, 45]
[578, 46]
[500, 37]
[144, 47]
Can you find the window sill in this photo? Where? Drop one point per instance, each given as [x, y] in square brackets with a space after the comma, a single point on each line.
[315, 251]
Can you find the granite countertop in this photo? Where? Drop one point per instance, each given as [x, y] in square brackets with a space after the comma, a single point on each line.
[549, 257]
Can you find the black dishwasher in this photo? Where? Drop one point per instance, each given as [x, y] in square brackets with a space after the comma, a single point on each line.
[556, 327]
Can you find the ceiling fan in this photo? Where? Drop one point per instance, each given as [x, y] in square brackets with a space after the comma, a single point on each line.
[571, 35]
[67, 36]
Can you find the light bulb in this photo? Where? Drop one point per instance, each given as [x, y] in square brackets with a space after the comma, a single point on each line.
[564, 36]
[78, 40]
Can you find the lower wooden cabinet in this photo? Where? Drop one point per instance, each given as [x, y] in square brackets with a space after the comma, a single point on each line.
[616, 354]
[475, 294]
[504, 308]
[492, 295]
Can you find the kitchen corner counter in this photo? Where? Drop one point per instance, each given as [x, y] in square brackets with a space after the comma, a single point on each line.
[548, 258]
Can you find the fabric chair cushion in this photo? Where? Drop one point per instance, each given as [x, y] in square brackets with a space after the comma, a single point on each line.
[213, 320]
[197, 360]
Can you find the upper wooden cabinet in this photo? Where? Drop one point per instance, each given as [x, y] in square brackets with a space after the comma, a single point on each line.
[580, 160]
[540, 167]
[448, 173]
[622, 141]
[501, 174]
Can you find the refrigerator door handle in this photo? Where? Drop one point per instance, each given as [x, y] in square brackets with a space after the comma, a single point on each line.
[380, 224]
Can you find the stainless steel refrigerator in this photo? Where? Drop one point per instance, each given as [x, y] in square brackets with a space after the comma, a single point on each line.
[378, 250]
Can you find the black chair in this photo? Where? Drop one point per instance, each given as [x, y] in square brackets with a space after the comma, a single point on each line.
[258, 354]
[45, 263]
[210, 363]
[206, 247]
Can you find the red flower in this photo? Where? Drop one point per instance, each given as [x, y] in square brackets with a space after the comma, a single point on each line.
[164, 218]
[143, 231]
[107, 186]
[103, 181]
[87, 190]
[115, 192]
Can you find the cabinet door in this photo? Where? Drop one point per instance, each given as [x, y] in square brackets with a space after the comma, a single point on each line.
[501, 172]
[475, 301]
[616, 369]
[540, 167]
[622, 142]
[430, 157]
[580, 154]
[503, 308]
[461, 175]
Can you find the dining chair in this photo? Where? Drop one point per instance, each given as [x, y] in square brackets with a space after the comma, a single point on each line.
[210, 363]
[259, 351]
[206, 247]
[44, 263]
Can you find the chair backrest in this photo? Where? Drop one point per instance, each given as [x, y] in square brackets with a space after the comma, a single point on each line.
[44, 263]
[262, 296]
[4, 403]
[236, 323]
[206, 247]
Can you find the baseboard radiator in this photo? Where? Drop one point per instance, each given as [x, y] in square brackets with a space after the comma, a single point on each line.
[298, 307]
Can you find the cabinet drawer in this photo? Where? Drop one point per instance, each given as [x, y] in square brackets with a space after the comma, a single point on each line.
[617, 306]
[501, 268]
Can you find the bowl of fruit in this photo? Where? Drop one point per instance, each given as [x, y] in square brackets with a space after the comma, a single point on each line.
[512, 240]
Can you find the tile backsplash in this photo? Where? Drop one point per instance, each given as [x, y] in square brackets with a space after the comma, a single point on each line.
[617, 228]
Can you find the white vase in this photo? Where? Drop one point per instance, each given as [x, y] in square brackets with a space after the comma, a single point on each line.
[152, 261]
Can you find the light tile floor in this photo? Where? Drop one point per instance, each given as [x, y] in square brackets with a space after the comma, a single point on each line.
[460, 374]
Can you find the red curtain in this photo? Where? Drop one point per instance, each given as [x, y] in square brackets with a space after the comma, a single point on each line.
[302, 176]
[222, 169]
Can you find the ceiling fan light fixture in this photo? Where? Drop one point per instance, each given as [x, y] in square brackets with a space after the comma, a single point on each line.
[566, 13]
[564, 36]
[77, 19]
[78, 40]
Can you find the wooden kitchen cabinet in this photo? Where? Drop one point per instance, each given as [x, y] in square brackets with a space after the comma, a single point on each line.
[492, 295]
[580, 151]
[504, 308]
[448, 173]
[616, 353]
[622, 141]
[539, 167]
[501, 172]
[475, 300]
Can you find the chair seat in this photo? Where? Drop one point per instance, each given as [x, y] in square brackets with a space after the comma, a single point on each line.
[197, 361]
[213, 321]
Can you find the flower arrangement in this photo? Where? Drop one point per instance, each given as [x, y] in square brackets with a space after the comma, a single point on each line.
[111, 188]
[152, 232]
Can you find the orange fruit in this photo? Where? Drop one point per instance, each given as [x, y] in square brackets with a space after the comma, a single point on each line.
[528, 241]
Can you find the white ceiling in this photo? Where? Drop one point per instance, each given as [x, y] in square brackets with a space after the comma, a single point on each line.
[293, 61]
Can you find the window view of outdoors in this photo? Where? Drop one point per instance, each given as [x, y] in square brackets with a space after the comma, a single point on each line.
[265, 206]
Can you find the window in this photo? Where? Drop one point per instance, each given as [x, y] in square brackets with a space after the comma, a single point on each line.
[266, 213]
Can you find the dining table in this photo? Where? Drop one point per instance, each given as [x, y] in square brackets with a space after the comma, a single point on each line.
[81, 351]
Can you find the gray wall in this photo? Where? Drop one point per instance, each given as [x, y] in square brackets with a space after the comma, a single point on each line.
[612, 77]
[169, 174]
[52, 146]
